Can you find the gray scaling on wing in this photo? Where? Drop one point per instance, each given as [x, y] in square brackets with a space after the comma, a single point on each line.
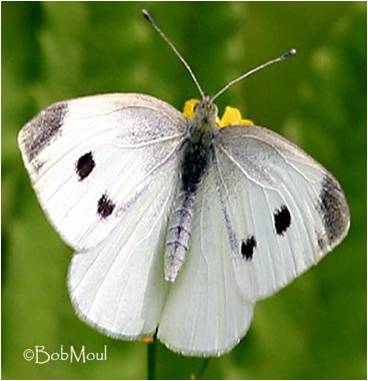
[335, 212]
[40, 130]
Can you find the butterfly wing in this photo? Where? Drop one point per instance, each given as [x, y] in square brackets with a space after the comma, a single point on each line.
[205, 314]
[118, 287]
[283, 211]
[92, 159]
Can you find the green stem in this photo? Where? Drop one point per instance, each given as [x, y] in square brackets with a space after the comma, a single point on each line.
[202, 369]
[151, 359]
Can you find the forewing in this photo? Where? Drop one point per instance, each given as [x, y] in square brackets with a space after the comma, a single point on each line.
[118, 287]
[284, 210]
[91, 159]
[205, 314]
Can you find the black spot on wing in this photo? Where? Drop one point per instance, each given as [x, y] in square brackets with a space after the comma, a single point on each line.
[38, 133]
[85, 165]
[247, 248]
[282, 220]
[334, 209]
[105, 206]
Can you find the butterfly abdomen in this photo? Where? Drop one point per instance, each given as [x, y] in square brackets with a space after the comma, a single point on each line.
[179, 233]
[195, 160]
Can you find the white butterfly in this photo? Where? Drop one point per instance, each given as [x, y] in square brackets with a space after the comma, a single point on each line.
[179, 225]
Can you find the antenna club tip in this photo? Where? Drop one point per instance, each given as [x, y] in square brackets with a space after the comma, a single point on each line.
[146, 14]
[292, 52]
[289, 53]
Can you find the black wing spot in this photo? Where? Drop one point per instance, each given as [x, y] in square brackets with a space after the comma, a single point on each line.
[247, 248]
[105, 206]
[85, 165]
[282, 219]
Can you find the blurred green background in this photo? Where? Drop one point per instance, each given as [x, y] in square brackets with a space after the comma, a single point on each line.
[316, 327]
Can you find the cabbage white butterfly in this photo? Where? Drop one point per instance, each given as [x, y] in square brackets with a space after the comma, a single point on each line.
[180, 223]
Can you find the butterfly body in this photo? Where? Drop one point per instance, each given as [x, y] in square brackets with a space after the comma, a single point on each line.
[196, 155]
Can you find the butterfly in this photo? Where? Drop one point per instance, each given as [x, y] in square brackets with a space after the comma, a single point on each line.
[180, 221]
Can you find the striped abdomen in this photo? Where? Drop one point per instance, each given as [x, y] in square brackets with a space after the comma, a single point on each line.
[178, 237]
[196, 156]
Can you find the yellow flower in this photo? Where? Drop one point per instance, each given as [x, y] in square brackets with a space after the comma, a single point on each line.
[231, 116]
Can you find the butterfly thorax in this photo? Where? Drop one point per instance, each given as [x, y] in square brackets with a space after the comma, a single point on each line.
[197, 152]
[197, 148]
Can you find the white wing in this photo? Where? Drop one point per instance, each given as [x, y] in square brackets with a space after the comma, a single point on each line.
[90, 159]
[118, 287]
[285, 211]
[205, 314]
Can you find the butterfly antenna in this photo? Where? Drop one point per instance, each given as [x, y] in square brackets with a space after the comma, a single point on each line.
[283, 57]
[151, 20]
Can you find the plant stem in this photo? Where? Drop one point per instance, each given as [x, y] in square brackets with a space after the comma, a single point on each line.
[151, 359]
[202, 369]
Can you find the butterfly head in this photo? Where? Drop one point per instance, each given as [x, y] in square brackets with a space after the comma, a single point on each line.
[199, 110]
[205, 112]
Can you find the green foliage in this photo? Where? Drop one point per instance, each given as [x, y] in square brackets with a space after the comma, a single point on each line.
[315, 328]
